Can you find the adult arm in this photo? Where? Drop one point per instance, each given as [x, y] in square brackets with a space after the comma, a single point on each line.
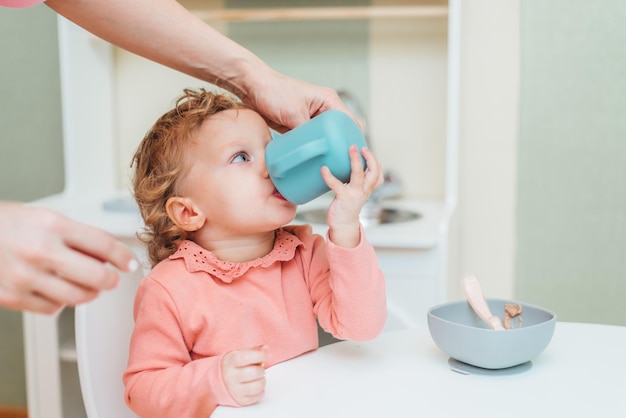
[165, 32]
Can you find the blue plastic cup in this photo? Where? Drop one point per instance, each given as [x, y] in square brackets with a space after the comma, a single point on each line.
[294, 159]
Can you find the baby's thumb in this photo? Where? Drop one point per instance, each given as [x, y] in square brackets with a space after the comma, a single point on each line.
[266, 352]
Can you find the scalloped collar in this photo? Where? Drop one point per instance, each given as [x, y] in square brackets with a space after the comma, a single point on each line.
[198, 259]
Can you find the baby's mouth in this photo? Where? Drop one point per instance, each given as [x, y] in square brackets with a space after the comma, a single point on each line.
[277, 194]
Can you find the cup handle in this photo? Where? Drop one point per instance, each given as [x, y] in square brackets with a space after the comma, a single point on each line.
[296, 157]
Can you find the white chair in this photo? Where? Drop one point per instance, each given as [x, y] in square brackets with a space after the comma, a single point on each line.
[103, 330]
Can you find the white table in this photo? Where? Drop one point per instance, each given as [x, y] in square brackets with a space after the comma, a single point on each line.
[582, 373]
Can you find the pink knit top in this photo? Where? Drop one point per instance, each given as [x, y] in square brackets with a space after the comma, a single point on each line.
[193, 308]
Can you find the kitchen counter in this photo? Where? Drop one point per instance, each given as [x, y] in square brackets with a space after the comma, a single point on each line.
[114, 212]
[422, 233]
[117, 214]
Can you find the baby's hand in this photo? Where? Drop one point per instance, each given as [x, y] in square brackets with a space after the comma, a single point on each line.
[343, 212]
[243, 372]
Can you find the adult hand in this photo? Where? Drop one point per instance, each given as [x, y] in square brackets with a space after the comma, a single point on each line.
[244, 374]
[286, 102]
[49, 261]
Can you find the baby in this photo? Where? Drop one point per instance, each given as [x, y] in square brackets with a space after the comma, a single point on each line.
[234, 289]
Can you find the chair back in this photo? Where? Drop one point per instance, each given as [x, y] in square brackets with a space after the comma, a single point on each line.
[103, 330]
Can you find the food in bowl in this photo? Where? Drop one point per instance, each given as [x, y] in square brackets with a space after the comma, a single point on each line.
[512, 310]
[460, 333]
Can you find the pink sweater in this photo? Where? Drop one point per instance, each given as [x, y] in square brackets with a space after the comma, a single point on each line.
[193, 308]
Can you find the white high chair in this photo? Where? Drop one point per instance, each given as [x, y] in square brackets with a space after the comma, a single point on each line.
[103, 330]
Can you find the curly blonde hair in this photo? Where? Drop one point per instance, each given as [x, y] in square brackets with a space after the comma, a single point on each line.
[159, 162]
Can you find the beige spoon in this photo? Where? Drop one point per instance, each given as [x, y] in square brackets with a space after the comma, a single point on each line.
[474, 295]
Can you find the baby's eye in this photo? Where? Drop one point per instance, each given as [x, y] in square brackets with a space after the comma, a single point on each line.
[240, 157]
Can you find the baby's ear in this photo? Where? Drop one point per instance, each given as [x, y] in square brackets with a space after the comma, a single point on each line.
[184, 213]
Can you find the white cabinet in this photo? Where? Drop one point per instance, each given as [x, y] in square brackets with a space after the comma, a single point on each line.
[414, 284]
[413, 259]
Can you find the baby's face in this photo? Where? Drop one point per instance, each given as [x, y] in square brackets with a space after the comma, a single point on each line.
[227, 177]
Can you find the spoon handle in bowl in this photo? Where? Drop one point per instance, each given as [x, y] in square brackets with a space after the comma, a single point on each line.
[474, 295]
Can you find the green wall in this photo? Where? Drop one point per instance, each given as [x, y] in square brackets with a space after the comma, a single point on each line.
[31, 149]
[31, 160]
[571, 220]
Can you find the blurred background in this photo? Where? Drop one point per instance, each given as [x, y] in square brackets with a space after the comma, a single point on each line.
[539, 175]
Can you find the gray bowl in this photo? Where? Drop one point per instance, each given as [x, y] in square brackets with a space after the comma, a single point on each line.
[461, 334]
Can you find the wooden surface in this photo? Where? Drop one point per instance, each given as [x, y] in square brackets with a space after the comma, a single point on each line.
[12, 412]
[325, 13]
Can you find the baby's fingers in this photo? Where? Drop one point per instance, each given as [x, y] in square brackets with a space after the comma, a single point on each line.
[246, 357]
[356, 165]
[374, 176]
[244, 374]
[331, 181]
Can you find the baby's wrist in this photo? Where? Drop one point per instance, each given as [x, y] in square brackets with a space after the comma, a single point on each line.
[345, 236]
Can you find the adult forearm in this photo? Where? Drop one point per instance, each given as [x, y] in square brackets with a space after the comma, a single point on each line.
[165, 32]
[188, 45]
